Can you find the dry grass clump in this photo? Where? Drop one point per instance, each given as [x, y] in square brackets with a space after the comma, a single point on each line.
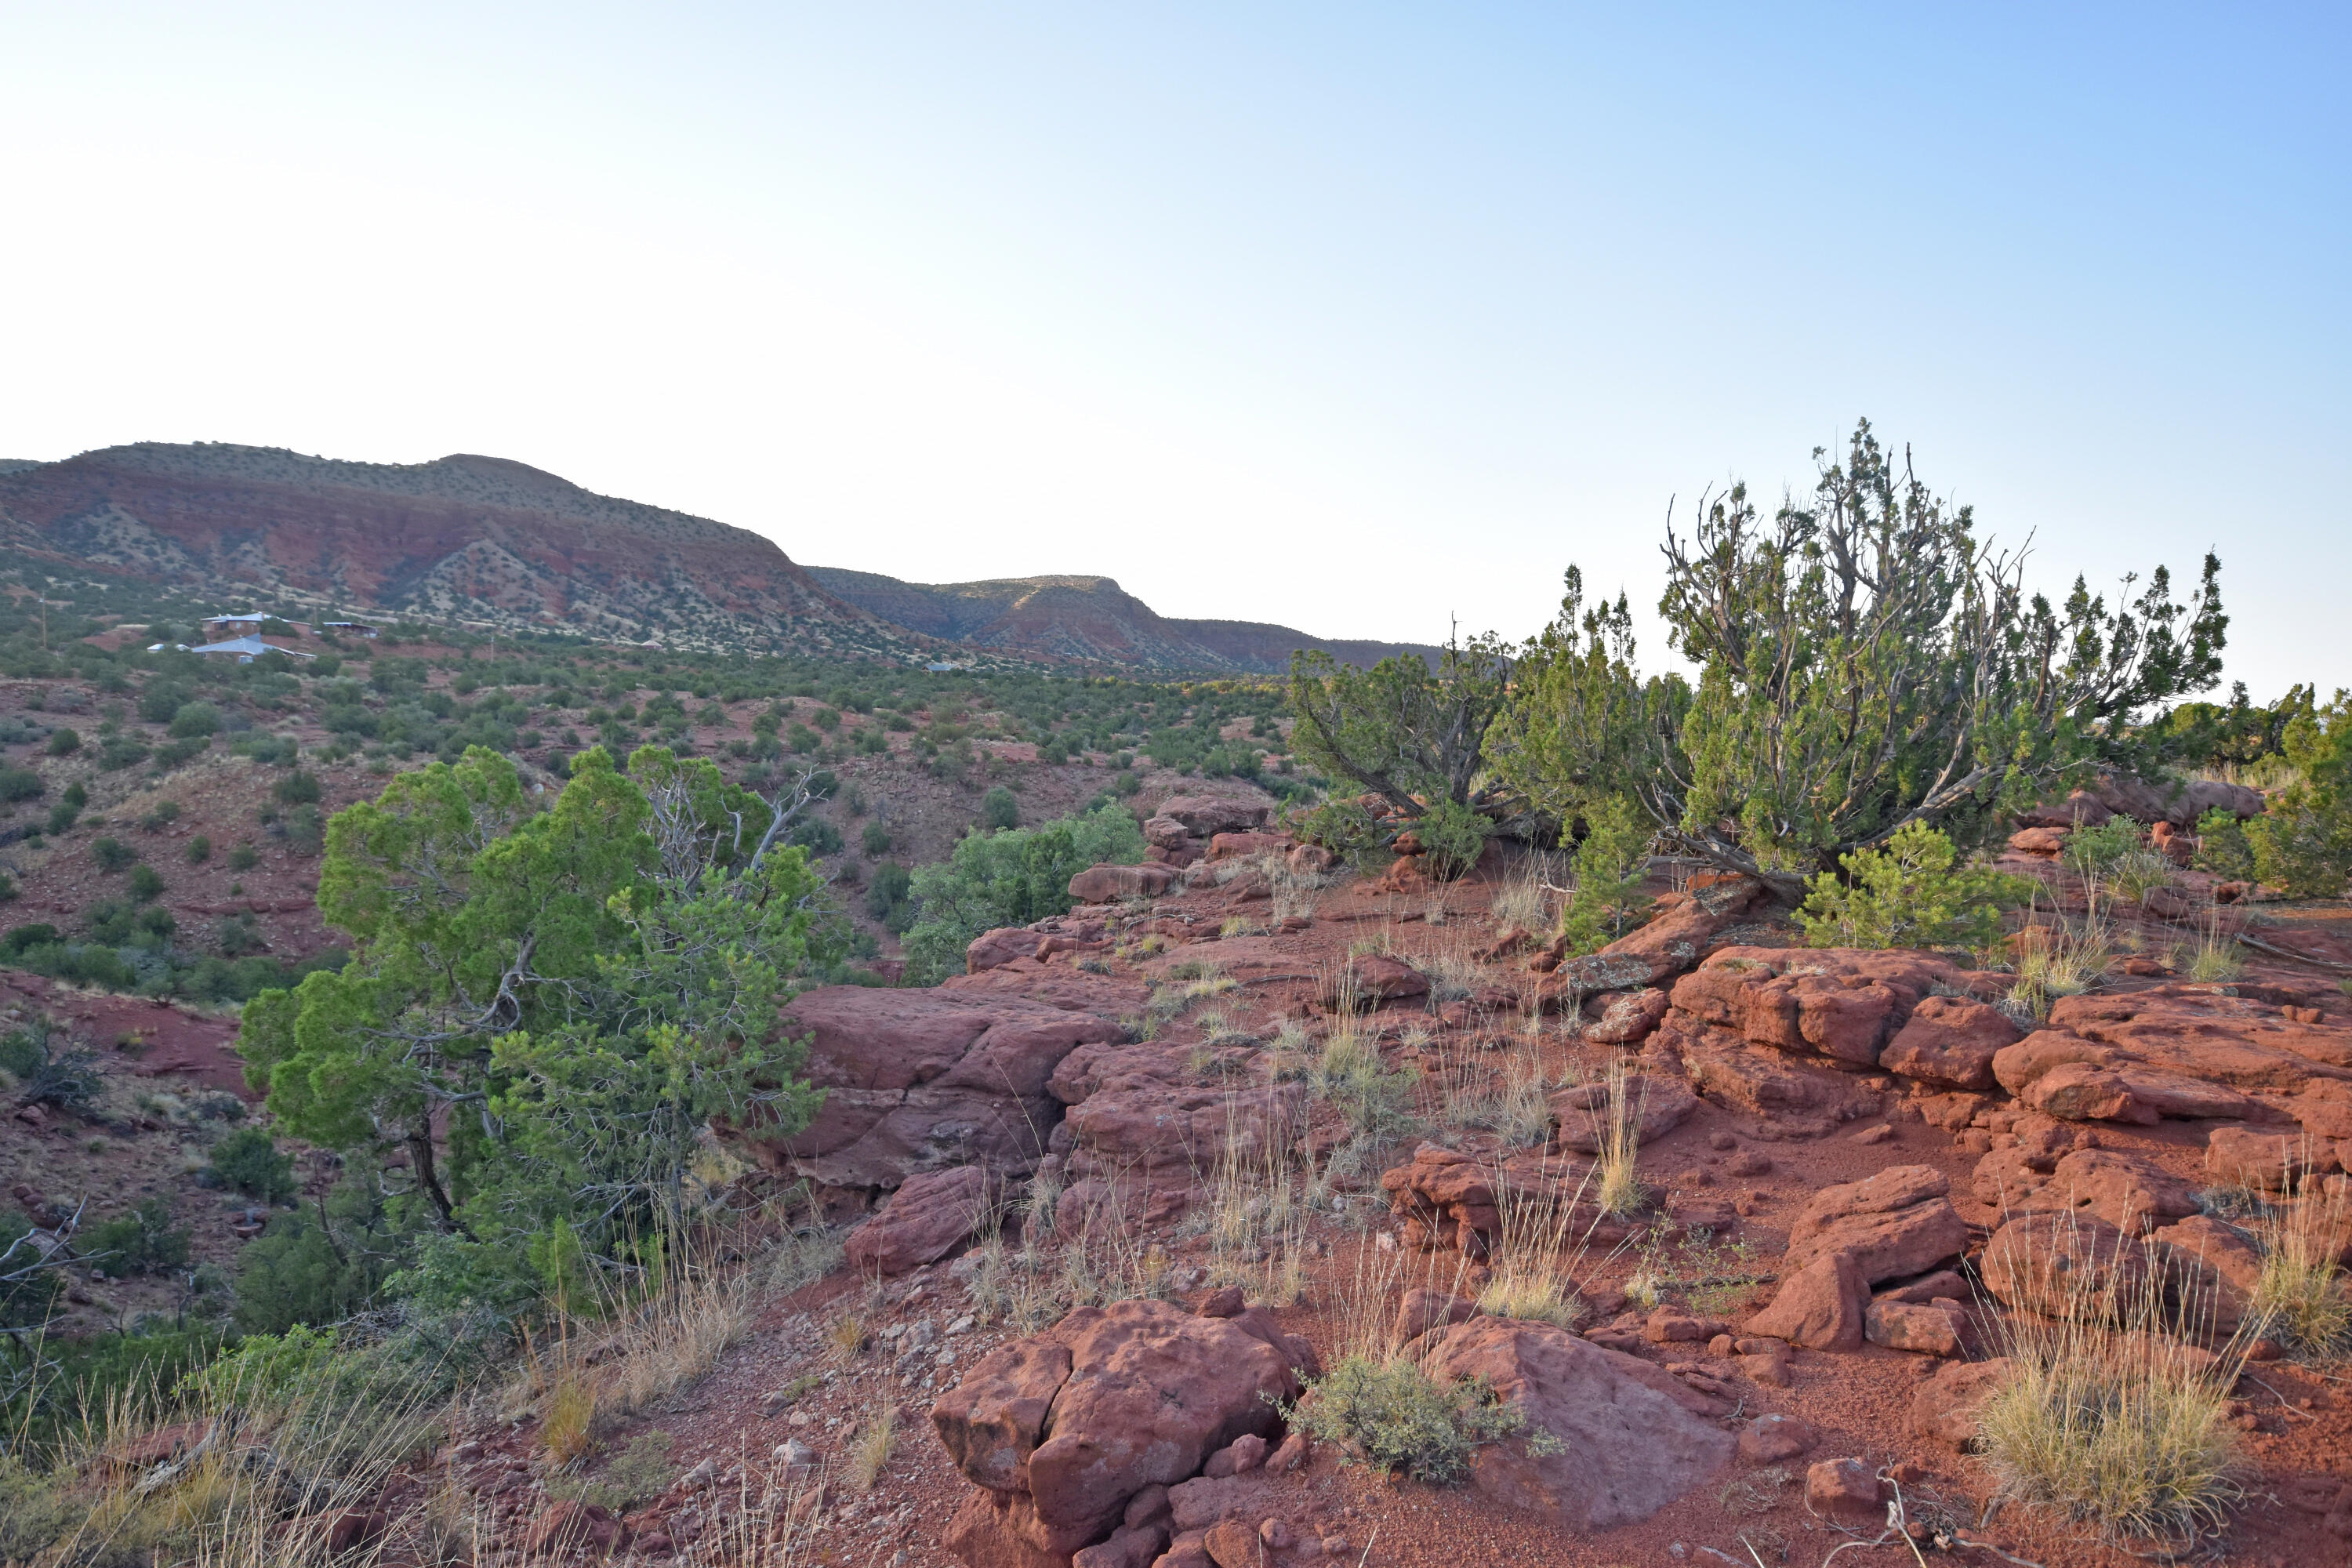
[1103, 1256]
[870, 1450]
[2140, 872]
[2302, 1291]
[283, 1445]
[1376, 1101]
[2109, 1418]
[567, 1429]
[669, 1343]
[2062, 960]
[1618, 1185]
[1508, 1101]
[2216, 960]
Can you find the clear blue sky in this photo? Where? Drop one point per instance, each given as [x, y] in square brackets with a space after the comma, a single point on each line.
[1354, 317]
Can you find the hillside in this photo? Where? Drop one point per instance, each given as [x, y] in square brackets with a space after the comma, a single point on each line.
[1088, 618]
[473, 541]
[494, 545]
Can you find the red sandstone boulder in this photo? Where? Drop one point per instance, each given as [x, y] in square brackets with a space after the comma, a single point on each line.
[2270, 1160]
[1374, 978]
[1630, 1018]
[2068, 1265]
[1205, 815]
[1932, 1329]
[1948, 1040]
[1820, 1305]
[2047, 841]
[1449, 1199]
[2079, 809]
[1064, 1428]
[1844, 1003]
[1108, 884]
[1894, 1225]
[1140, 1113]
[931, 1214]
[1631, 1438]
[1845, 1490]
[1242, 846]
[1310, 860]
[922, 1079]
[1791, 1097]
[1946, 1405]
[1001, 946]
[1669, 944]
[1656, 1106]
[1167, 833]
[1423, 1309]
[2130, 1192]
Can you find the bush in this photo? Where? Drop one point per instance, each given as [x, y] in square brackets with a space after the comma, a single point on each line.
[122, 751]
[64, 741]
[998, 809]
[248, 1161]
[1609, 865]
[887, 897]
[301, 1270]
[1347, 828]
[200, 850]
[1908, 895]
[1009, 879]
[20, 783]
[112, 855]
[146, 883]
[244, 857]
[296, 788]
[816, 836]
[875, 840]
[1395, 1417]
[49, 1070]
[2303, 843]
[1454, 836]
[142, 1241]
[161, 703]
[2094, 851]
[195, 721]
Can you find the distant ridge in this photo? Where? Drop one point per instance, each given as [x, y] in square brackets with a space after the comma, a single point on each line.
[1088, 618]
[499, 545]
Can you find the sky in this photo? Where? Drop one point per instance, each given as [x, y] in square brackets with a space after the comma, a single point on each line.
[1364, 318]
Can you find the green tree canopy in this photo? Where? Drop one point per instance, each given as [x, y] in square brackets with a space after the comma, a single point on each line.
[545, 1008]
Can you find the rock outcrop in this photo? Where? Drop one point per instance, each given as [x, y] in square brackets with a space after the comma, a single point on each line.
[1062, 1430]
[1630, 1437]
[920, 1081]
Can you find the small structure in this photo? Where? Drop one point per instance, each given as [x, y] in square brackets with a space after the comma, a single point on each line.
[248, 624]
[350, 629]
[246, 649]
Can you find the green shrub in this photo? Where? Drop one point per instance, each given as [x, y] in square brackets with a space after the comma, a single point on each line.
[1910, 895]
[112, 855]
[161, 703]
[162, 814]
[1009, 879]
[146, 883]
[1609, 866]
[248, 1161]
[2094, 851]
[296, 788]
[195, 721]
[122, 751]
[888, 897]
[140, 1241]
[301, 1270]
[2303, 843]
[64, 741]
[875, 840]
[20, 783]
[1454, 836]
[200, 850]
[244, 857]
[1350, 829]
[816, 836]
[1394, 1417]
[998, 809]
